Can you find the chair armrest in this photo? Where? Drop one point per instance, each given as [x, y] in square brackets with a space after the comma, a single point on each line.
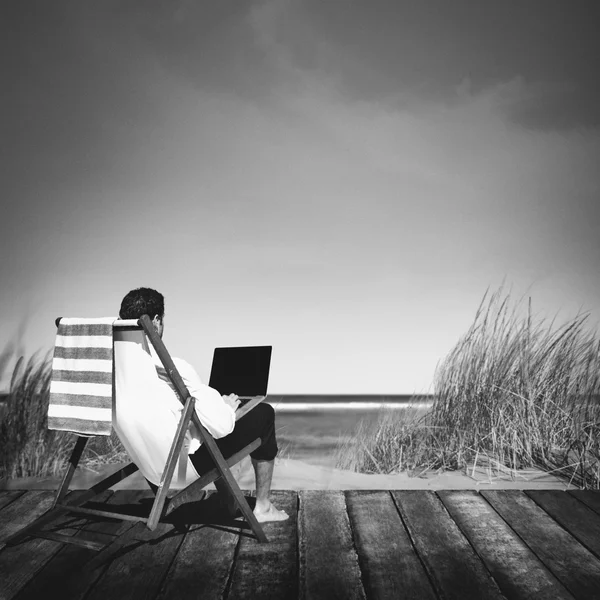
[240, 412]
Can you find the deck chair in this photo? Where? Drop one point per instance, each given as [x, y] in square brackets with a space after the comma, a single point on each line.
[163, 461]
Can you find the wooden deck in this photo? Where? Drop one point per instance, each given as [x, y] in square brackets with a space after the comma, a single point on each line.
[354, 544]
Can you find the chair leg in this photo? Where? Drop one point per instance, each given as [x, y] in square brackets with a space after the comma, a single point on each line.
[62, 491]
[105, 484]
[160, 499]
[60, 508]
[216, 475]
[74, 459]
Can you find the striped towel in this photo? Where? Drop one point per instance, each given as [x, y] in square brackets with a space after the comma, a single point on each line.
[81, 386]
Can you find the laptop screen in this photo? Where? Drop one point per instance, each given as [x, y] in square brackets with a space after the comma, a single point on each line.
[242, 370]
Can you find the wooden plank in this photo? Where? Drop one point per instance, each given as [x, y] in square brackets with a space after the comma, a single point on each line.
[455, 569]
[328, 560]
[141, 563]
[577, 518]
[21, 563]
[572, 564]
[66, 575]
[269, 570]
[590, 498]
[7, 496]
[516, 569]
[23, 560]
[388, 560]
[23, 511]
[203, 564]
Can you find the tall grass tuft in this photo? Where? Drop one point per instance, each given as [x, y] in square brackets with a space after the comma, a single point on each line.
[394, 443]
[523, 392]
[25, 439]
[515, 390]
[27, 447]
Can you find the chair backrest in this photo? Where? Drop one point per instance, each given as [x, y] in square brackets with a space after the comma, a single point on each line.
[143, 414]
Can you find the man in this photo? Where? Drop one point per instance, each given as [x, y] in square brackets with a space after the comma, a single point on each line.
[216, 412]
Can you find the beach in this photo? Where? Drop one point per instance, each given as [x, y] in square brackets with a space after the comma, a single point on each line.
[309, 431]
[292, 474]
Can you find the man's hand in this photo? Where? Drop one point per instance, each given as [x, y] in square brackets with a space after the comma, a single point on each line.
[232, 400]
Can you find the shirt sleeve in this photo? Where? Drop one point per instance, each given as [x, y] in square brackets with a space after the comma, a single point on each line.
[214, 414]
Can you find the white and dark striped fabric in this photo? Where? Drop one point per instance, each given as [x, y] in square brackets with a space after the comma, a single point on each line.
[81, 386]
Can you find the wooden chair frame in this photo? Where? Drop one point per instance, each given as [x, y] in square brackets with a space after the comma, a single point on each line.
[162, 504]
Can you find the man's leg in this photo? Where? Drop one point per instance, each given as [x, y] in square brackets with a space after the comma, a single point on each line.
[258, 423]
[264, 510]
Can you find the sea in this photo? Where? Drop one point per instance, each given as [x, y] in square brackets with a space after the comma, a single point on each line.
[311, 428]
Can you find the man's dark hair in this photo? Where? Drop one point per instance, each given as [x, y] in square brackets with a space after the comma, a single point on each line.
[142, 301]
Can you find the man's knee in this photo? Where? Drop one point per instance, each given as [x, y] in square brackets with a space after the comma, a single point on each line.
[265, 411]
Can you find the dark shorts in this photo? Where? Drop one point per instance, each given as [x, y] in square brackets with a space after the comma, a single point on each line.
[258, 423]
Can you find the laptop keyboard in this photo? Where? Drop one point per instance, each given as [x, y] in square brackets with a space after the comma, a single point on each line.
[244, 399]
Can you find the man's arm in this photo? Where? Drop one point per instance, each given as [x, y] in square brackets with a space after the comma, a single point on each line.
[216, 412]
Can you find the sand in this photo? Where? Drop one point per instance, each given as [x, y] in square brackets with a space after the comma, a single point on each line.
[293, 474]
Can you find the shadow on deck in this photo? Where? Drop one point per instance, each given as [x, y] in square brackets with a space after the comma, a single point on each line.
[353, 544]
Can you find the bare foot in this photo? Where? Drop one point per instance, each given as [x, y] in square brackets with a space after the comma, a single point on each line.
[270, 514]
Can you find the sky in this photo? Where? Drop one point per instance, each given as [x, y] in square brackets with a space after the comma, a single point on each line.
[342, 180]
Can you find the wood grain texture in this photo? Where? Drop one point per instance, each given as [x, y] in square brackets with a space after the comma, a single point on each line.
[516, 569]
[328, 560]
[141, 564]
[22, 562]
[269, 570]
[389, 563]
[452, 564]
[554, 546]
[204, 562]
[589, 498]
[23, 511]
[6, 497]
[357, 544]
[25, 559]
[66, 575]
[578, 519]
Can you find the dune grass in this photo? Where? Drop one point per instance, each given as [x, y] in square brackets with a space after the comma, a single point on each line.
[515, 392]
[27, 447]
[392, 444]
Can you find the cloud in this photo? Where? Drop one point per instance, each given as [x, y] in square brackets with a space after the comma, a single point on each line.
[406, 57]
[560, 107]
[208, 44]
[452, 164]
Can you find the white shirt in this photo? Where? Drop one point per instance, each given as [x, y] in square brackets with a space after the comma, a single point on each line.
[214, 414]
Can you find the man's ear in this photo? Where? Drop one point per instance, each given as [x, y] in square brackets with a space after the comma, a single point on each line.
[156, 321]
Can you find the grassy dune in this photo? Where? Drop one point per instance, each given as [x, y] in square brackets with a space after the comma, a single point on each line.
[514, 392]
[27, 446]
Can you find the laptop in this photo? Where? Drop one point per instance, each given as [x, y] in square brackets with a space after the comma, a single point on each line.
[241, 370]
